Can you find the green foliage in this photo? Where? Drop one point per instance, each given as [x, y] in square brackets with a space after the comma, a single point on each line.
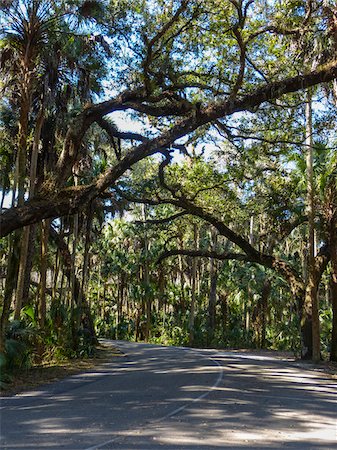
[18, 353]
[247, 170]
[5, 377]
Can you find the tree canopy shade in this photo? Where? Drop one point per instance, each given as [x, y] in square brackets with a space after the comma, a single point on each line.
[169, 98]
[193, 75]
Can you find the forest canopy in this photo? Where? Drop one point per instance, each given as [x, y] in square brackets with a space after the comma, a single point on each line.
[168, 173]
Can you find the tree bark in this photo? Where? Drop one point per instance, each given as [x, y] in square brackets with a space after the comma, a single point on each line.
[311, 292]
[193, 288]
[67, 201]
[333, 346]
[85, 262]
[11, 276]
[212, 291]
[27, 236]
[146, 280]
[120, 301]
[67, 269]
[43, 273]
[266, 289]
[333, 280]
[29, 265]
[224, 314]
[22, 271]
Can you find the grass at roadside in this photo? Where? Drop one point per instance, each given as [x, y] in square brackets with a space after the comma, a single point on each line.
[56, 370]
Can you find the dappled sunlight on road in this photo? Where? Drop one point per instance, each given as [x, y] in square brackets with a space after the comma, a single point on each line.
[201, 369]
[178, 398]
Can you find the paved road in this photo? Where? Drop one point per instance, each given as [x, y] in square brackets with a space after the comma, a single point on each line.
[177, 399]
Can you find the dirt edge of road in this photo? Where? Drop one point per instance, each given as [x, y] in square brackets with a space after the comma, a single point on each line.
[57, 370]
[325, 367]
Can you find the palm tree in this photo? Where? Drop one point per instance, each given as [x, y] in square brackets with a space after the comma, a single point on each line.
[23, 34]
[44, 73]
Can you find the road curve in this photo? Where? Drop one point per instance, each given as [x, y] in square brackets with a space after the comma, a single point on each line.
[176, 398]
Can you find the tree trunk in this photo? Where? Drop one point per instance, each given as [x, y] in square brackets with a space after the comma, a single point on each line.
[181, 283]
[22, 144]
[67, 269]
[161, 287]
[333, 281]
[29, 265]
[333, 290]
[43, 272]
[148, 300]
[308, 326]
[120, 301]
[212, 299]
[21, 163]
[161, 292]
[22, 271]
[56, 275]
[11, 276]
[85, 305]
[75, 301]
[212, 291]
[27, 237]
[193, 288]
[311, 297]
[264, 311]
[224, 314]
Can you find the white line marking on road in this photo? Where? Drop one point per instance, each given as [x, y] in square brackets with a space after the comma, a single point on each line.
[181, 408]
[202, 396]
[96, 447]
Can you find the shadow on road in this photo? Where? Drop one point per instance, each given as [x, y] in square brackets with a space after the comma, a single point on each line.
[160, 397]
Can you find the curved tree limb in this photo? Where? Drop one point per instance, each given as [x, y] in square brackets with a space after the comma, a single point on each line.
[65, 201]
[163, 220]
[203, 254]
[251, 254]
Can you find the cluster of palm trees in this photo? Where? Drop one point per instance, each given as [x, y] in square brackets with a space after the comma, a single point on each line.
[50, 69]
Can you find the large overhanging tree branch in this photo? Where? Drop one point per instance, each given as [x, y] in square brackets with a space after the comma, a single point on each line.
[204, 254]
[61, 202]
[250, 254]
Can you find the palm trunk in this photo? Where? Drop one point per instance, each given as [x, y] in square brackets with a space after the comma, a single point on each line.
[43, 272]
[148, 299]
[311, 297]
[85, 306]
[264, 311]
[62, 289]
[161, 293]
[21, 163]
[193, 288]
[333, 281]
[22, 145]
[75, 305]
[23, 276]
[120, 301]
[11, 276]
[3, 196]
[85, 256]
[29, 265]
[181, 283]
[56, 275]
[212, 292]
[224, 315]
[67, 269]
[333, 290]
[22, 271]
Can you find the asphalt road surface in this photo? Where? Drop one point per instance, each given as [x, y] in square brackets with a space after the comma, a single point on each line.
[174, 398]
